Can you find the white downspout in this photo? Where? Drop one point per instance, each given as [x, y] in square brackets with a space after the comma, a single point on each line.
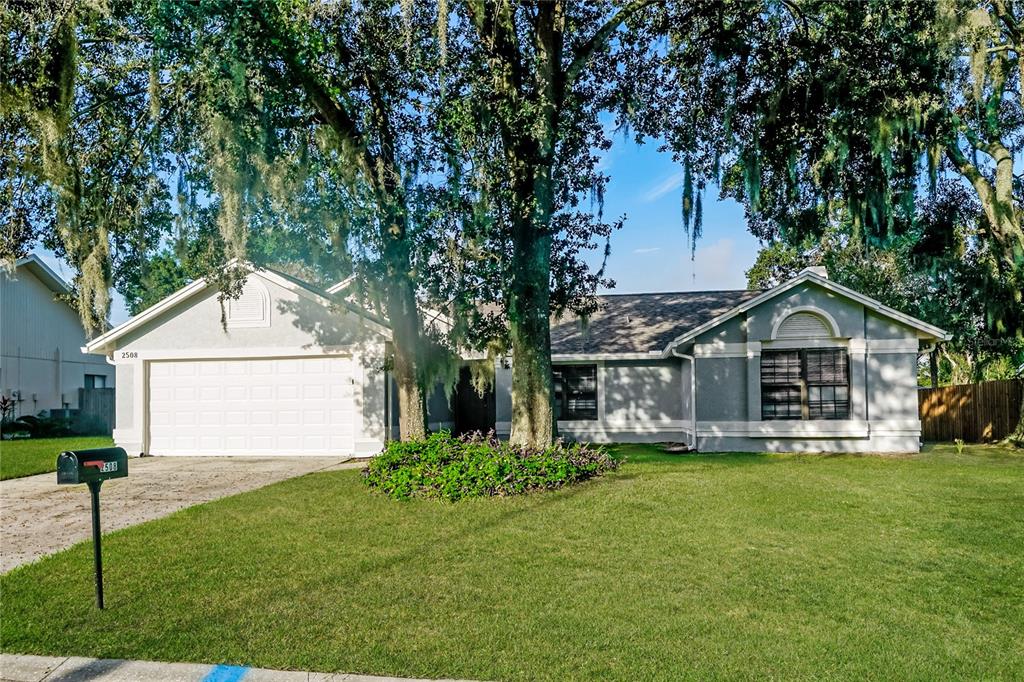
[693, 394]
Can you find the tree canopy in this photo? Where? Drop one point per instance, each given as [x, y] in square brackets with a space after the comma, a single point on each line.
[828, 116]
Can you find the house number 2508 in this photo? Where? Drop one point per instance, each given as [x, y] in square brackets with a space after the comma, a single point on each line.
[129, 354]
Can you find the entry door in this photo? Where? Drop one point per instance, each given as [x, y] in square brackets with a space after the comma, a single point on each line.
[267, 406]
[473, 412]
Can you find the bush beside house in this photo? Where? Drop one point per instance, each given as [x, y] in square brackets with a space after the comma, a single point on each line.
[444, 466]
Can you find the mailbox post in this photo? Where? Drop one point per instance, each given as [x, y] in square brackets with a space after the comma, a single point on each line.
[92, 467]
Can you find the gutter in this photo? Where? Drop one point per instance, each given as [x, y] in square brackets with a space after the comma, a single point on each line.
[693, 393]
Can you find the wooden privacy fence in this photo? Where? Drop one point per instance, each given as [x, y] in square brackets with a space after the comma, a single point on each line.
[975, 413]
[99, 403]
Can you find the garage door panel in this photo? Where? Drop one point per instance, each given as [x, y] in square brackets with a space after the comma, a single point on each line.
[188, 369]
[160, 369]
[282, 406]
[208, 393]
[261, 393]
[210, 369]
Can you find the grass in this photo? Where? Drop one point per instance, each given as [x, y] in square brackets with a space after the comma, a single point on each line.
[673, 567]
[39, 455]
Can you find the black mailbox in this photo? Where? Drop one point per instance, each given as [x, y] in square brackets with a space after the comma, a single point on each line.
[86, 466]
[93, 467]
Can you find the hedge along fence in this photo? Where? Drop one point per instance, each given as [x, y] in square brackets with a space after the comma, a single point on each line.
[975, 413]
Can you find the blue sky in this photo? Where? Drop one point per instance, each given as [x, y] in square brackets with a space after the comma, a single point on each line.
[650, 253]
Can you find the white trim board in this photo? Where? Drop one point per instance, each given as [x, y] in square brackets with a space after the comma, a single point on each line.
[44, 273]
[160, 354]
[816, 428]
[621, 426]
[594, 357]
[854, 346]
[342, 285]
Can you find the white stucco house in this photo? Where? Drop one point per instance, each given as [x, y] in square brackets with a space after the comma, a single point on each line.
[42, 364]
[294, 370]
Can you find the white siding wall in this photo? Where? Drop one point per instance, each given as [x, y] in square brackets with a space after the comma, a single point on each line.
[40, 346]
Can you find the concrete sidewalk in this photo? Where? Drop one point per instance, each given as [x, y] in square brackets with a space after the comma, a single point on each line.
[39, 517]
[20, 668]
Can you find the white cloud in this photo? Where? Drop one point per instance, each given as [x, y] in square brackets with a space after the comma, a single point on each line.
[716, 266]
[670, 183]
[651, 249]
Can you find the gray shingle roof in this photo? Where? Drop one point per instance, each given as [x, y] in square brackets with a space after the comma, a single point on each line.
[640, 323]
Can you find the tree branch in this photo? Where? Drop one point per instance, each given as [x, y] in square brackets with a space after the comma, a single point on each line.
[601, 38]
[498, 37]
[333, 113]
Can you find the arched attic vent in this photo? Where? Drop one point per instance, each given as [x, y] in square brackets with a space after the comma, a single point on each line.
[805, 325]
[252, 308]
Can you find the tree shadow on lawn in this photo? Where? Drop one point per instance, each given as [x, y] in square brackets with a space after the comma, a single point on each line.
[653, 454]
[527, 504]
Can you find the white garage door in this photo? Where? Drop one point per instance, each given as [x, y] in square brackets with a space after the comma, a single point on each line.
[278, 406]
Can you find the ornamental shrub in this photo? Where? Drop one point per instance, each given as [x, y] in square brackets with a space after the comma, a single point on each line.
[476, 465]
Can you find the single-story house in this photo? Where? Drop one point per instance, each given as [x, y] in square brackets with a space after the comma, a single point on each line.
[293, 370]
[42, 366]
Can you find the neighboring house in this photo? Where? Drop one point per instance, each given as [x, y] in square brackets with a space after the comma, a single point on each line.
[42, 365]
[292, 370]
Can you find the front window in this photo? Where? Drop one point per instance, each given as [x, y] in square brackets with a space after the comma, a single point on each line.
[805, 384]
[575, 391]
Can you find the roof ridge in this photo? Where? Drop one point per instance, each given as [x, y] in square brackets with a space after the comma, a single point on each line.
[676, 293]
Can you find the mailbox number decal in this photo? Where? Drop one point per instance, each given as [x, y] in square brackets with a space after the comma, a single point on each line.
[104, 467]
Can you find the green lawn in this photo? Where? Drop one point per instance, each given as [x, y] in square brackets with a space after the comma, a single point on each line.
[38, 455]
[717, 566]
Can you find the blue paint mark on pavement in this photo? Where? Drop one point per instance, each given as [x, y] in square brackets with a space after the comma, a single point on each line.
[226, 673]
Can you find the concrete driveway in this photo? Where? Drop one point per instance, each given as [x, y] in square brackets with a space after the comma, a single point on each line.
[38, 517]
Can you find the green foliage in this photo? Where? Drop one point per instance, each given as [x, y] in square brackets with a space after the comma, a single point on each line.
[162, 274]
[451, 468]
[45, 426]
[39, 455]
[81, 154]
[842, 116]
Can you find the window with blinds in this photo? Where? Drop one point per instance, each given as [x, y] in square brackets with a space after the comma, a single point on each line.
[805, 384]
[575, 391]
[781, 389]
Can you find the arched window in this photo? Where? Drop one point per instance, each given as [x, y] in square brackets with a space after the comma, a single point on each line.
[252, 308]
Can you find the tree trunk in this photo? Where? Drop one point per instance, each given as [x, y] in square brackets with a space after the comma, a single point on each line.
[933, 367]
[405, 331]
[533, 418]
[1017, 437]
[404, 316]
